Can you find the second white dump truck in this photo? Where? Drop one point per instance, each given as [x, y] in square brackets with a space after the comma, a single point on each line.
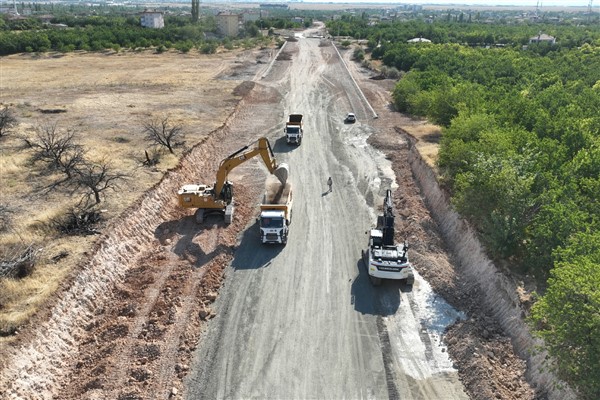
[276, 213]
[294, 129]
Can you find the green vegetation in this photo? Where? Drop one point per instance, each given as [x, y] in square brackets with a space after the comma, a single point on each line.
[519, 154]
[75, 28]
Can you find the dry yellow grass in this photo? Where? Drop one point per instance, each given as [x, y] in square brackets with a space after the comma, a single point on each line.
[21, 298]
[104, 97]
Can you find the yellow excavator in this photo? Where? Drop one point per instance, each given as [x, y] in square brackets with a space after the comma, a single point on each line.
[219, 197]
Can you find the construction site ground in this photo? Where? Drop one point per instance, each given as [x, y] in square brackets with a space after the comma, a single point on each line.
[143, 310]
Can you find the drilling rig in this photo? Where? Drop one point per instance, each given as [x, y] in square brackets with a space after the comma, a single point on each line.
[384, 258]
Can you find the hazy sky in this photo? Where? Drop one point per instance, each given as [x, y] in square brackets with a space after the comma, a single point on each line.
[526, 3]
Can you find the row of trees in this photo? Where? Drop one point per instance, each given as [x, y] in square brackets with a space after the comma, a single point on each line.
[384, 36]
[520, 154]
[97, 33]
[100, 33]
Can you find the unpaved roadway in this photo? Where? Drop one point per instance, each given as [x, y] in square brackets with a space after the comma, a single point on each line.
[302, 321]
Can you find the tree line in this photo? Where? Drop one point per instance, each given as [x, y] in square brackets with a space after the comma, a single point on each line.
[520, 155]
[117, 31]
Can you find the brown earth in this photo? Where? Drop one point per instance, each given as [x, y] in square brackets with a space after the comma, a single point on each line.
[139, 340]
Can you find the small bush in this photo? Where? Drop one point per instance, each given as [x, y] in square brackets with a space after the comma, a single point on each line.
[359, 54]
[76, 222]
[208, 48]
[121, 139]
[391, 72]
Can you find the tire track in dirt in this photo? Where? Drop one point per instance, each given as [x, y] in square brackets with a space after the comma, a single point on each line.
[82, 351]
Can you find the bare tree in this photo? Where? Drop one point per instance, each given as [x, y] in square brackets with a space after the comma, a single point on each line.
[7, 121]
[160, 131]
[57, 148]
[96, 179]
[18, 261]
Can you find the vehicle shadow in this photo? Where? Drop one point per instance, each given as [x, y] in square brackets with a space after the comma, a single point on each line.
[281, 146]
[186, 229]
[251, 253]
[381, 300]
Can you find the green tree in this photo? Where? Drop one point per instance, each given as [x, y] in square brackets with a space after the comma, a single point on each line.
[195, 10]
[567, 317]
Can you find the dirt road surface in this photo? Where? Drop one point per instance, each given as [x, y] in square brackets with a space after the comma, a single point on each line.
[167, 308]
[303, 321]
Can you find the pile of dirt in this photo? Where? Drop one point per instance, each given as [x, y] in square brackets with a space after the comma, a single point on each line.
[489, 368]
[284, 56]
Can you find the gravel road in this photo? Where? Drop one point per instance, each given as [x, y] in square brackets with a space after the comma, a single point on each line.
[303, 321]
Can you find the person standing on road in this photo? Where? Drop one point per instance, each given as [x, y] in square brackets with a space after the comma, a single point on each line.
[329, 183]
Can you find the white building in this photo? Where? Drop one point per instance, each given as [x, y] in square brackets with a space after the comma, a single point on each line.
[152, 19]
[418, 40]
[542, 38]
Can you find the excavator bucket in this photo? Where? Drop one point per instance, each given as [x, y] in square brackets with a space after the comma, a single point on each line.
[282, 172]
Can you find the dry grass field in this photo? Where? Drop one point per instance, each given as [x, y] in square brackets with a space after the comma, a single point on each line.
[104, 98]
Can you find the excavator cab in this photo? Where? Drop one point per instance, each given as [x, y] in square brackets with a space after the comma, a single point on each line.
[227, 192]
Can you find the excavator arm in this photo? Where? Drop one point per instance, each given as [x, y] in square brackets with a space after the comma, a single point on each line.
[218, 198]
[262, 147]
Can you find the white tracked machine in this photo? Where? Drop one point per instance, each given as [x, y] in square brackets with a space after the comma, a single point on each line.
[385, 259]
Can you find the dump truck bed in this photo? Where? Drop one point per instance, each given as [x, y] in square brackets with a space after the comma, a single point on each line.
[294, 119]
[277, 193]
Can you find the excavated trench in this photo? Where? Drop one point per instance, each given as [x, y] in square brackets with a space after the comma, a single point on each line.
[40, 367]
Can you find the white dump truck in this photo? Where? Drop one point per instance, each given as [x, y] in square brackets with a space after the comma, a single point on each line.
[276, 213]
[293, 129]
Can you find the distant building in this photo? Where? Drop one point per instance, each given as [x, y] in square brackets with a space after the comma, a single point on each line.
[152, 19]
[228, 24]
[418, 40]
[542, 38]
